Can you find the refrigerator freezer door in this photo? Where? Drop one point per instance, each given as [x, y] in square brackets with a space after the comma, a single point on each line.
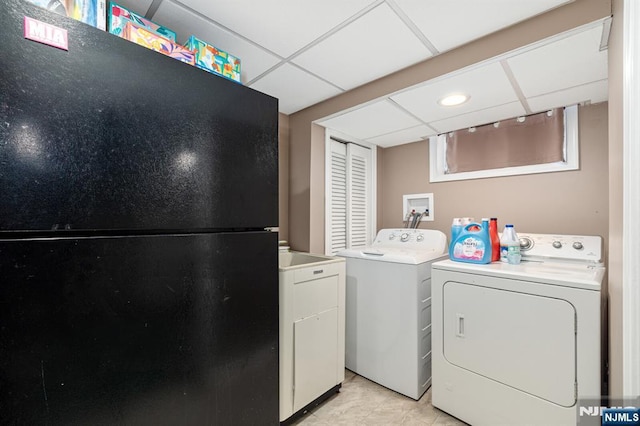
[110, 135]
[151, 330]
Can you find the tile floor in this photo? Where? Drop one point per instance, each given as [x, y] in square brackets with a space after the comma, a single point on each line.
[361, 402]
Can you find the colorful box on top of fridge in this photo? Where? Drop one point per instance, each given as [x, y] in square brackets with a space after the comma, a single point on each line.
[119, 17]
[92, 12]
[214, 60]
[153, 41]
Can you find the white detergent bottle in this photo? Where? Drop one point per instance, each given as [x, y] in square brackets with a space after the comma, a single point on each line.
[513, 251]
[510, 245]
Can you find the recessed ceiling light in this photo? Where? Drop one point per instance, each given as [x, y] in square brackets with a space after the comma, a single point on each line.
[454, 99]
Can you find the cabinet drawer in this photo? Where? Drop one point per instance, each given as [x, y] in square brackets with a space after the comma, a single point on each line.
[312, 297]
[318, 271]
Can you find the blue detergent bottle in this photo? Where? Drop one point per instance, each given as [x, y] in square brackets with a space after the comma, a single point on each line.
[473, 244]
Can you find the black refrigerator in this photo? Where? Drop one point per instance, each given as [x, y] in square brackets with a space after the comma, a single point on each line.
[138, 278]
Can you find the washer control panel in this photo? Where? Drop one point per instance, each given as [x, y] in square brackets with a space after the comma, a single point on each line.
[410, 238]
[562, 247]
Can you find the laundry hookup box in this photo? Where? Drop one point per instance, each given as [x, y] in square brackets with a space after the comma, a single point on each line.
[92, 12]
[153, 41]
[119, 17]
[214, 60]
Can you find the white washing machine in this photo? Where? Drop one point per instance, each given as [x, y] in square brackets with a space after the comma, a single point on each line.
[388, 308]
[519, 344]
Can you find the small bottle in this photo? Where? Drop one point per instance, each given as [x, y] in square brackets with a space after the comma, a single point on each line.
[513, 251]
[495, 239]
[504, 242]
[509, 245]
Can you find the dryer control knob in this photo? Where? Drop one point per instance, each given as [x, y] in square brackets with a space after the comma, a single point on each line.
[578, 245]
[404, 237]
[557, 244]
[391, 236]
[420, 237]
[525, 243]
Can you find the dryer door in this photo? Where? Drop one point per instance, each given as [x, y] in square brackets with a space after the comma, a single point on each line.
[522, 340]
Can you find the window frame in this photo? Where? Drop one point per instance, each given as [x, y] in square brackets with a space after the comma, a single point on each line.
[437, 156]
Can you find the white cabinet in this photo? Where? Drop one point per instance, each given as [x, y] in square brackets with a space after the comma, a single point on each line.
[312, 328]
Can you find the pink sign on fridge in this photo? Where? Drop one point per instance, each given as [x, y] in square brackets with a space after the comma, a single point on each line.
[45, 33]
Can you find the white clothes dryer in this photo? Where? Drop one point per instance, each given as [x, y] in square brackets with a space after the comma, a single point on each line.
[388, 308]
[519, 344]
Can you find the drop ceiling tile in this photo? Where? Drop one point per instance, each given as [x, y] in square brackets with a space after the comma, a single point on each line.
[478, 118]
[403, 136]
[567, 62]
[253, 60]
[487, 85]
[593, 92]
[295, 88]
[376, 44]
[282, 26]
[452, 23]
[372, 120]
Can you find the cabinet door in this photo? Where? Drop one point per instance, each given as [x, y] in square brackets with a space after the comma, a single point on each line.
[316, 353]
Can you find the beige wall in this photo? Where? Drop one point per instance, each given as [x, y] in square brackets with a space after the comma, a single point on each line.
[574, 202]
[299, 183]
[283, 176]
[316, 172]
[379, 188]
[615, 201]
[305, 228]
[306, 165]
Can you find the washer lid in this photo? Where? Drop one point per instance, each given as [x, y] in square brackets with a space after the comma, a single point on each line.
[576, 275]
[395, 255]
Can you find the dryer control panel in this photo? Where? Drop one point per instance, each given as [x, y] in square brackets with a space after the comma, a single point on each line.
[583, 248]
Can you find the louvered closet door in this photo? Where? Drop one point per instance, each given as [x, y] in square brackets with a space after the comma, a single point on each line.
[348, 197]
[358, 182]
[338, 199]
